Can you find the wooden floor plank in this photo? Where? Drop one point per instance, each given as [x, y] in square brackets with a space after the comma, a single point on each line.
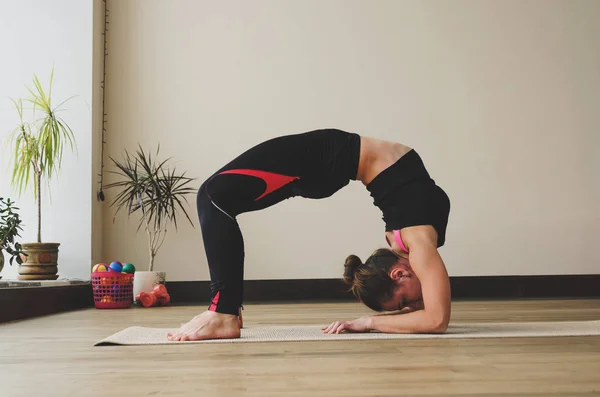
[54, 356]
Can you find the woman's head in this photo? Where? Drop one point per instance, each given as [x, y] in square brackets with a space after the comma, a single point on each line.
[385, 282]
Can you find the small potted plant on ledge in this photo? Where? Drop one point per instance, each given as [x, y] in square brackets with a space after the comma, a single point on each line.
[37, 156]
[10, 226]
[156, 192]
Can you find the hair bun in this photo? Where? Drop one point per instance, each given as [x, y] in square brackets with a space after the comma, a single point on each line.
[350, 266]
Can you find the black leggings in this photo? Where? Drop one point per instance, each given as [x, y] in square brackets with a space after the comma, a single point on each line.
[313, 165]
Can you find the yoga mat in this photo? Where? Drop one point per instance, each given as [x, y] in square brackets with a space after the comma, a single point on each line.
[297, 333]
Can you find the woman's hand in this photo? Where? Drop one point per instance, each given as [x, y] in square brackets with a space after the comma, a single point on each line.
[362, 324]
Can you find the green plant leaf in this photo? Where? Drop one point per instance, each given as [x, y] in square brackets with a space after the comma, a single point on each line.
[10, 227]
[151, 187]
[39, 144]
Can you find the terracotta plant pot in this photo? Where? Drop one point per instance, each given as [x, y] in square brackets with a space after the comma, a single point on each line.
[41, 262]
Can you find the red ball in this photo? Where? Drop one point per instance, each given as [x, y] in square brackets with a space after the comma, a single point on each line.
[160, 290]
[145, 299]
[164, 300]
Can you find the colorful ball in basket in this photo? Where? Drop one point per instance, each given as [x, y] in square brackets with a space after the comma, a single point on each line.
[112, 290]
[106, 299]
[128, 268]
[100, 267]
[116, 266]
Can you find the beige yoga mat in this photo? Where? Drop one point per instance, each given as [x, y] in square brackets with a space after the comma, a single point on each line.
[298, 333]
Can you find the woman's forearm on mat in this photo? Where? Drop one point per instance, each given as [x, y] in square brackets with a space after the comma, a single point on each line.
[396, 312]
[408, 323]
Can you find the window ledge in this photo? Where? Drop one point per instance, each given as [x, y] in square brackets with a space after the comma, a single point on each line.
[40, 283]
[27, 299]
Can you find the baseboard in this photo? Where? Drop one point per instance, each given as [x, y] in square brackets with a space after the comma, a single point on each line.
[515, 287]
[21, 303]
[484, 287]
[265, 290]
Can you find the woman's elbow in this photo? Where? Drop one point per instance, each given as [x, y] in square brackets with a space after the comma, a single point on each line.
[439, 325]
[440, 328]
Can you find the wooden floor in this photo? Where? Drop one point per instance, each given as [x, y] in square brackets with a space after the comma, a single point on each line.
[54, 356]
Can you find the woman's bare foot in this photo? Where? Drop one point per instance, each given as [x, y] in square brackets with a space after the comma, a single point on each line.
[240, 319]
[208, 325]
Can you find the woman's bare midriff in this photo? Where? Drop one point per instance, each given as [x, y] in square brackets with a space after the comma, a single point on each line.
[376, 155]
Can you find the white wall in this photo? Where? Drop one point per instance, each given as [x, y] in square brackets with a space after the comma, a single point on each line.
[499, 97]
[96, 139]
[34, 37]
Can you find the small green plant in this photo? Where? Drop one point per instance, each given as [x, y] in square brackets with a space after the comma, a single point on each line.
[38, 145]
[10, 227]
[154, 189]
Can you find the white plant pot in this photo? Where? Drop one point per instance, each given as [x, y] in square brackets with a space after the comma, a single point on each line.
[144, 281]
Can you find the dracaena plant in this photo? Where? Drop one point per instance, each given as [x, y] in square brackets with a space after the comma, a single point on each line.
[10, 227]
[153, 189]
[38, 144]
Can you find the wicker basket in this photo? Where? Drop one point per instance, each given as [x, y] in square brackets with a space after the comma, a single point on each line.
[112, 290]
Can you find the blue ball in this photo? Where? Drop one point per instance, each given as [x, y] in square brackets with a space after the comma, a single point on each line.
[116, 266]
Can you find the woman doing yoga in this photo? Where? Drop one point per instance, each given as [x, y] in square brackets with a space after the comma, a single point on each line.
[407, 282]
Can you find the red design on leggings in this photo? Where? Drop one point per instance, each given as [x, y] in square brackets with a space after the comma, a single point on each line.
[272, 180]
[213, 304]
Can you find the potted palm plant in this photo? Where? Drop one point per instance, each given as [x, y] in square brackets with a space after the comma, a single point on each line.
[10, 226]
[38, 148]
[156, 192]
